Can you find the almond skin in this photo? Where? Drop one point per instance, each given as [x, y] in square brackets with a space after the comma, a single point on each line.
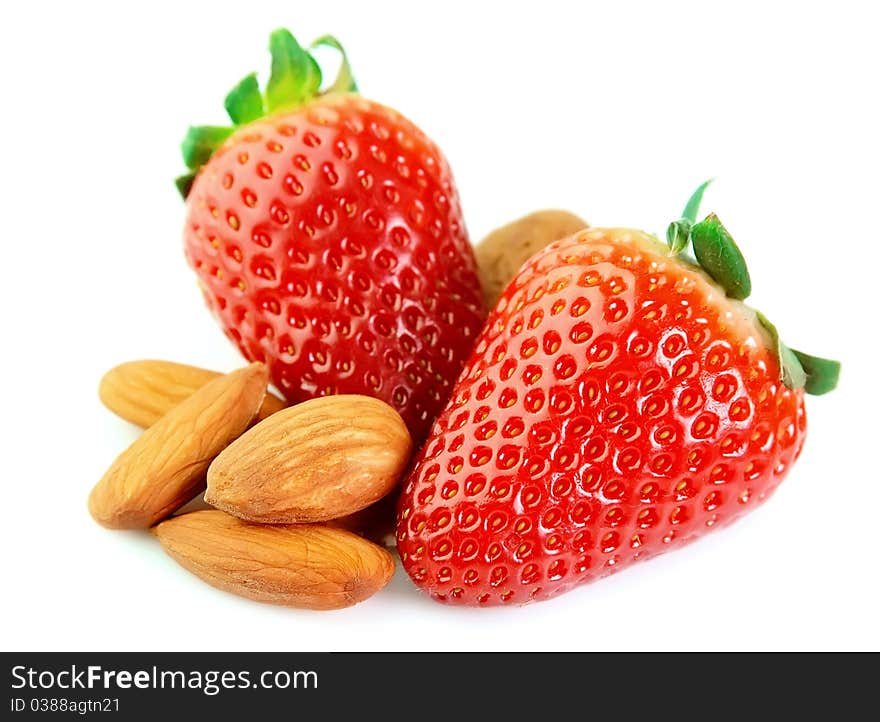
[501, 254]
[142, 392]
[166, 466]
[308, 566]
[319, 460]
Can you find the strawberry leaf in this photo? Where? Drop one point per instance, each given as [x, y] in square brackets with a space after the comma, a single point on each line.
[693, 205]
[200, 143]
[822, 373]
[678, 235]
[295, 77]
[791, 373]
[294, 81]
[184, 184]
[720, 257]
[344, 82]
[244, 102]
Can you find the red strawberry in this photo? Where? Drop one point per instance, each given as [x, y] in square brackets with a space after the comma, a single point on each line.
[617, 405]
[329, 242]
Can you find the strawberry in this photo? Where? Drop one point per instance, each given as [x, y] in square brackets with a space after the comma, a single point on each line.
[327, 235]
[621, 401]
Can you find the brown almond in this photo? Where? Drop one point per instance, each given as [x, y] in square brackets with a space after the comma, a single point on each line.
[166, 466]
[142, 392]
[501, 254]
[308, 565]
[319, 460]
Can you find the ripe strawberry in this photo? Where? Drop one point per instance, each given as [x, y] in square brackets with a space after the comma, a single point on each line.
[617, 405]
[327, 236]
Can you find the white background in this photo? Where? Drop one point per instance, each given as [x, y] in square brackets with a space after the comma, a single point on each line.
[615, 110]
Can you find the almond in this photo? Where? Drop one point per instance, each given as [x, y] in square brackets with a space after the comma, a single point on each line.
[142, 392]
[166, 466]
[501, 254]
[322, 459]
[308, 565]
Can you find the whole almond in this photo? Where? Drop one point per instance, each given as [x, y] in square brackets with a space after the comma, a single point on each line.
[142, 392]
[165, 467]
[307, 565]
[501, 253]
[322, 459]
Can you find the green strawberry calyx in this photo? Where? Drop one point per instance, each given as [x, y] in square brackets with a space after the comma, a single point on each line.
[295, 80]
[716, 253]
